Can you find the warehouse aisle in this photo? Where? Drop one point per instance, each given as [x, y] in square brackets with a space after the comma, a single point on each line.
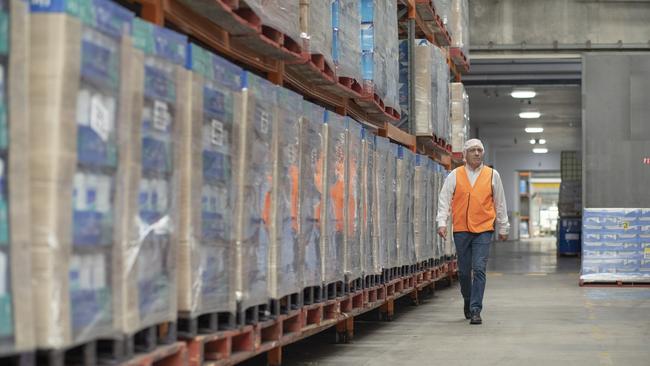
[535, 314]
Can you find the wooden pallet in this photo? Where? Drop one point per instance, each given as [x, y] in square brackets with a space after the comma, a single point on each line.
[189, 325]
[459, 59]
[582, 283]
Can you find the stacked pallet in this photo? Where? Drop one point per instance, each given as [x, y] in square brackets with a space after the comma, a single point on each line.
[459, 116]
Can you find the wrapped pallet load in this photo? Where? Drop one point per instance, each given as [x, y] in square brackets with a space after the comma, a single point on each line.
[405, 165]
[441, 94]
[425, 76]
[332, 222]
[310, 207]
[281, 212]
[440, 242]
[316, 27]
[145, 259]
[369, 246]
[253, 174]
[352, 261]
[459, 25]
[379, 214]
[380, 50]
[79, 125]
[421, 209]
[432, 208]
[16, 319]
[459, 116]
[205, 255]
[346, 44]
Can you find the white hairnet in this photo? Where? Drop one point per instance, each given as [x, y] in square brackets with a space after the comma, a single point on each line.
[472, 143]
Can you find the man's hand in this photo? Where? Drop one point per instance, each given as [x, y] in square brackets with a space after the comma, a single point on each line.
[442, 231]
[503, 237]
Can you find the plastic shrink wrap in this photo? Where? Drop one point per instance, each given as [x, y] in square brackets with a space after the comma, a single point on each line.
[78, 60]
[369, 230]
[425, 78]
[443, 9]
[380, 50]
[421, 209]
[312, 156]
[346, 43]
[615, 245]
[281, 213]
[440, 242]
[441, 94]
[458, 25]
[380, 212]
[253, 174]
[281, 15]
[316, 27]
[405, 171]
[333, 202]
[459, 116]
[145, 258]
[431, 209]
[16, 319]
[205, 273]
[352, 210]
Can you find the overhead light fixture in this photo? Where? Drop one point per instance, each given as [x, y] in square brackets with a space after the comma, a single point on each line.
[532, 141]
[540, 150]
[529, 115]
[523, 94]
[542, 142]
[534, 129]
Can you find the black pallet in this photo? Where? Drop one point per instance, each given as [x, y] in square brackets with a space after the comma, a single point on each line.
[390, 274]
[286, 304]
[190, 326]
[312, 295]
[253, 314]
[19, 359]
[372, 280]
[333, 290]
[353, 285]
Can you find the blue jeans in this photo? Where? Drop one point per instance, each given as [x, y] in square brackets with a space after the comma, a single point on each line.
[472, 250]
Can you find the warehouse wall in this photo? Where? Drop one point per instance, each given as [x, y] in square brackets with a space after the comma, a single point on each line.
[508, 163]
[616, 130]
[511, 22]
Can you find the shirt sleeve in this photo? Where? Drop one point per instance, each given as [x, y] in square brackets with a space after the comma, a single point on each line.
[500, 204]
[444, 199]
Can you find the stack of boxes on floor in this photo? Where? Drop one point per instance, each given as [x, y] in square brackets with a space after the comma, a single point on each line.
[166, 182]
[570, 203]
[16, 316]
[615, 245]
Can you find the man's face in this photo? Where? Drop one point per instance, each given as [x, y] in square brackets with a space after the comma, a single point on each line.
[474, 156]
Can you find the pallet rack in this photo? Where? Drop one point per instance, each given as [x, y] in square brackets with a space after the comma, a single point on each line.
[283, 62]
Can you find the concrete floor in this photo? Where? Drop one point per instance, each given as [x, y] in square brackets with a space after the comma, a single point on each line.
[534, 314]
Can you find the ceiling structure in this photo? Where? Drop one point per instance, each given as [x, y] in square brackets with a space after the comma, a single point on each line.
[494, 116]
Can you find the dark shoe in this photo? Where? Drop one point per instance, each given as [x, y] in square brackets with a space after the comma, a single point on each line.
[468, 313]
[476, 319]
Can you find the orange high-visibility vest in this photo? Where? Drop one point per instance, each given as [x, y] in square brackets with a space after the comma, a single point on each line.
[472, 208]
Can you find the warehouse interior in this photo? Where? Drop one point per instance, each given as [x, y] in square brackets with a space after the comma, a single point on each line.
[255, 182]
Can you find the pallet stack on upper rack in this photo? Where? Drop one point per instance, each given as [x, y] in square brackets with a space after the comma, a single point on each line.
[211, 180]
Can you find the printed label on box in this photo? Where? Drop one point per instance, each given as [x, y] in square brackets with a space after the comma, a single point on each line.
[99, 117]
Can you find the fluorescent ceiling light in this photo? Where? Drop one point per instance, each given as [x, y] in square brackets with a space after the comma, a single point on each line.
[534, 129]
[540, 150]
[542, 142]
[532, 141]
[529, 115]
[523, 94]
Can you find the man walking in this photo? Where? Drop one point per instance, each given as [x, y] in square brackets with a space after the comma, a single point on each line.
[474, 193]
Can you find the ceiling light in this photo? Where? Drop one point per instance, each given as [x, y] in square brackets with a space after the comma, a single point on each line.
[532, 141]
[534, 129]
[523, 94]
[529, 115]
[542, 142]
[540, 150]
